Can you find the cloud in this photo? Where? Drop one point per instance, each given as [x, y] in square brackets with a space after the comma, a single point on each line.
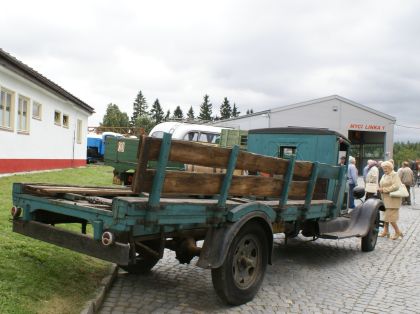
[259, 54]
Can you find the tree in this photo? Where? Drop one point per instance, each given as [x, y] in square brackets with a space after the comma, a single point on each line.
[205, 109]
[190, 114]
[114, 117]
[249, 111]
[144, 122]
[168, 115]
[157, 112]
[235, 112]
[139, 108]
[225, 109]
[178, 114]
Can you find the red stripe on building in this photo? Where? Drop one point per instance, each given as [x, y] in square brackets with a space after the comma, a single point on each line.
[20, 165]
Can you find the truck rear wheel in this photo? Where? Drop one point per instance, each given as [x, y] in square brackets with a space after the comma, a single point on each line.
[369, 241]
[238, 279]
[144, 260]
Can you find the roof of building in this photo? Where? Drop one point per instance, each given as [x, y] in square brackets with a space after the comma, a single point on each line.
[14, 65]
[332, 97]
[298, 130]
[312, 102]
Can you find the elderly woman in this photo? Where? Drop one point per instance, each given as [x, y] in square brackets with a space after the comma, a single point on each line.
[371, 184]
[390, 182]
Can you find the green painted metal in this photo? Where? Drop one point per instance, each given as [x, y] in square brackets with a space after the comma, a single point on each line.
[339, 193]
[228, 176]
[98, 229]
[311, 185]
[286, 182]
[159, 178]
[238, 212]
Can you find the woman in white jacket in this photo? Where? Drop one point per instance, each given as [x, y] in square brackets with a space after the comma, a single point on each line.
[371, 185]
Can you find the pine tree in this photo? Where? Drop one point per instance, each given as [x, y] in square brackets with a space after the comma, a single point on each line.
[139, 108]
[225, 109]
[178, 114]
[205, 109]
[114, 117]
[190, 114]
[168, 115]
[247, 111]
[235, 112]
[157, 112]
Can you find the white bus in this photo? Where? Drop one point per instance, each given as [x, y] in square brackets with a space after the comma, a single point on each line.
[188, 132]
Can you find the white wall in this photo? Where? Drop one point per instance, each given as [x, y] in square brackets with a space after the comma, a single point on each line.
[45, 140]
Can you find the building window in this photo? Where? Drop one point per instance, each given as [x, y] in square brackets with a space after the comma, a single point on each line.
[36, 110]
[57, 117]
[6, 108]
[65, 120]
[79, 132]
[23, 109]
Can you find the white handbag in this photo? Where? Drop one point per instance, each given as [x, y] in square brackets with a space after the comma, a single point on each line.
[401, 192]
[371, 187]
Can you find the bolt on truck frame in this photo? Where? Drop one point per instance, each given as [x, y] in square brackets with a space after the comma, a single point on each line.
[132, 227]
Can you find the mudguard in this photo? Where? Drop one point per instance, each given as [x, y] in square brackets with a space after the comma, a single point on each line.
[218, 240]
[359, 223]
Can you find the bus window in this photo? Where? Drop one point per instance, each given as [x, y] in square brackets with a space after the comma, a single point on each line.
[191, 136]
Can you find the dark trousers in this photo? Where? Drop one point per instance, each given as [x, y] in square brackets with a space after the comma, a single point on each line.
[351, 197]
[407, 199]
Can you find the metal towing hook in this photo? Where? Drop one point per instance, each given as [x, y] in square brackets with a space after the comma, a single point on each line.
[15, 212]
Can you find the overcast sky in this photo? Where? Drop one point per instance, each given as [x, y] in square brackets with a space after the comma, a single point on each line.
[259, 54]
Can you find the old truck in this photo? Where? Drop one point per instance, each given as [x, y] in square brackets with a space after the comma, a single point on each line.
[234, 227]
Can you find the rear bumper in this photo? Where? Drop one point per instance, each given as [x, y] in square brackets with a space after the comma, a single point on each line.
[117, 253]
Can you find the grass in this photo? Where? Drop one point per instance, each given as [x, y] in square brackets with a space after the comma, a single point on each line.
[36, 277]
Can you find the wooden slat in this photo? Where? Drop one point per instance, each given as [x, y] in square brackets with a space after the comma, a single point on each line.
[142, 152]
[53, 190]
[209, 156]
[185, 183]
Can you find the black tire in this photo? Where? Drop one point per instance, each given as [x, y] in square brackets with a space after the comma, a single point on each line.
[369, 241]
[144, 260]
[238, 280]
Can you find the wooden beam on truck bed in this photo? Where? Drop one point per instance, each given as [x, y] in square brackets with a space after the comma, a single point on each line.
[54, 190]
[187, 183]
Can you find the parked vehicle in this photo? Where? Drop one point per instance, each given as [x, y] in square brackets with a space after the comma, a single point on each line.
[121, 153]
[96, 144]
[133, 226]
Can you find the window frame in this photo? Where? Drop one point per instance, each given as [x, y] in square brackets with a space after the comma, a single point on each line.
[12, 110]
[19, 128]
[57, 121]
[79, 131]
[66, 125]
[39, 117]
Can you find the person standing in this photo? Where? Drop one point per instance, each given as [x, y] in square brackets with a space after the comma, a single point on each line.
[371, 184]
[352, 175]
[407, 178]
[390, 182]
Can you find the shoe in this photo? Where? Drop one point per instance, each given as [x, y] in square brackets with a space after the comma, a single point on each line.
[383, 234]
[395, 236]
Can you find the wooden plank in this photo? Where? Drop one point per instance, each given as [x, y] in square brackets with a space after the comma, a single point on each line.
[185, 183]
[81, 190]
[143, 152]
[209, 156]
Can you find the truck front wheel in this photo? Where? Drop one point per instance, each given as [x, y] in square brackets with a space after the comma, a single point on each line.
[369, 240]
[238, 279]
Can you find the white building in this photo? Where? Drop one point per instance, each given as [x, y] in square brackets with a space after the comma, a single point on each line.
[371, 132]
[42, 126]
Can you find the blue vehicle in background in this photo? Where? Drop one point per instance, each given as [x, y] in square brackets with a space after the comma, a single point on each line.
[96, 146]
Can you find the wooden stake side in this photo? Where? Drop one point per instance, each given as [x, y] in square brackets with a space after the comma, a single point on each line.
[217, 157]
[186, 183]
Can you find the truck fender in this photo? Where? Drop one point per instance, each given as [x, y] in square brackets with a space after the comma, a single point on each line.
[219, 239]
[367, 213]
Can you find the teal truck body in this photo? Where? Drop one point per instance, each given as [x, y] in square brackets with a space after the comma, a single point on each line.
[235, 215]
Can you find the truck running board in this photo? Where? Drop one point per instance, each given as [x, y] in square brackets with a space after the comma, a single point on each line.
[117, 253]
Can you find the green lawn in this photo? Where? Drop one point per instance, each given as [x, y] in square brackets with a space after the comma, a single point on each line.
[36, 277]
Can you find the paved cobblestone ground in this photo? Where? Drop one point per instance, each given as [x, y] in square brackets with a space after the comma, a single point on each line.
[325, 276]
